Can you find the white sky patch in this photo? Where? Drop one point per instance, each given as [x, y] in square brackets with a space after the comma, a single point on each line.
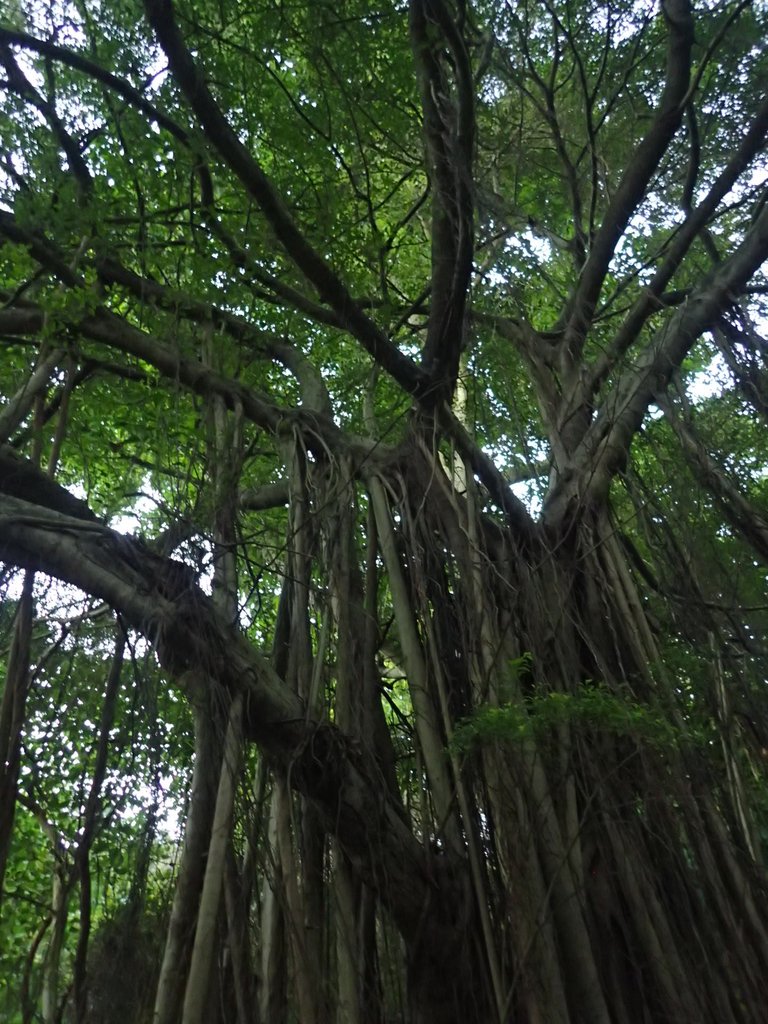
[708, 383]
[529, 492]
[170, 808]
[129, 523]
[531, 243]
[623, 27]
[157, 71]
[61, 17]
[27, 65]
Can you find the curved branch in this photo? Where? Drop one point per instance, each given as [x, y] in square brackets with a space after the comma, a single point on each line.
[320, 432]
[160, 598]
[118, 85]
[19, 82]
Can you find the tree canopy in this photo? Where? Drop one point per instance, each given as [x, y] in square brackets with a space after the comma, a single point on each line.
[383, 511]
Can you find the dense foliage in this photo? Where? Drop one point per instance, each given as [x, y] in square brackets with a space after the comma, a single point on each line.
[383, 511]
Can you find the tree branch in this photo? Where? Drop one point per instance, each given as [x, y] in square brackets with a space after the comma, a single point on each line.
[606, 443]
[118, 85]
[250, 173]
[15, 410]
[320, 432]
[449, 131]
[738, 511]
[641, 167]
[159, 597]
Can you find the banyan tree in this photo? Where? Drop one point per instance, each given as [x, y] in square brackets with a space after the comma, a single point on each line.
[383, 511]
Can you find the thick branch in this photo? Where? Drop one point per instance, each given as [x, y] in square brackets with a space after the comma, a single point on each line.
[652, 295]
[321, 433]
[159, 597]
[118, 85]
[250, 173]
[641, 167]
[449, 129]
[606, 444]
[21, 479]
[273, 495]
